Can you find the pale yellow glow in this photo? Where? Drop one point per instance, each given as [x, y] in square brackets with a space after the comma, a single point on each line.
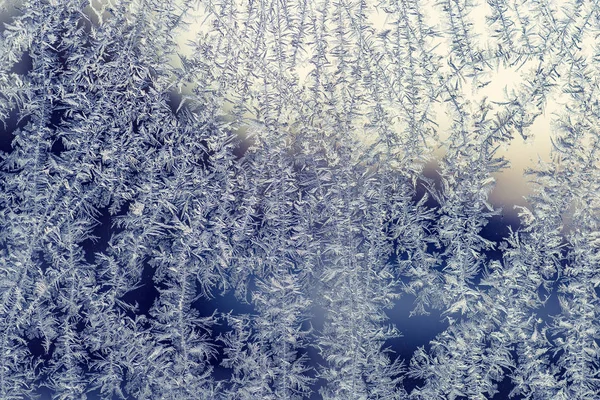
[511, 184]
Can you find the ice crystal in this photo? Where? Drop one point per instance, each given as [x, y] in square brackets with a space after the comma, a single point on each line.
[249, 214]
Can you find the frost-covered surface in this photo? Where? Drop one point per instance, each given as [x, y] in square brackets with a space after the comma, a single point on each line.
[250, 221]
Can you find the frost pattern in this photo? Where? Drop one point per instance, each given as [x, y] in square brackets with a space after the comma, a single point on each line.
[281, 163]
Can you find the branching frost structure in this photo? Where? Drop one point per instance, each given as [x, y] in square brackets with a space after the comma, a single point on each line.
[280, 161]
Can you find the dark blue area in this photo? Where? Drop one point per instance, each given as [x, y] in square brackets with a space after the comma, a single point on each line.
[24, 65]
[242, 145]
[551, 306]
[57, 147]
[36, 348]
[496, 230]
[101, 234]
[174, 100]
[315, 361]
[146, 293]
[56, 117]
[103, 229]
[504, 388]
[223, 303]
[44, 393]
[417, 331]
[428, 185]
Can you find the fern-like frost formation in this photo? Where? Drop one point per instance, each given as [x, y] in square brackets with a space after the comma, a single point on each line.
[295, 203]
